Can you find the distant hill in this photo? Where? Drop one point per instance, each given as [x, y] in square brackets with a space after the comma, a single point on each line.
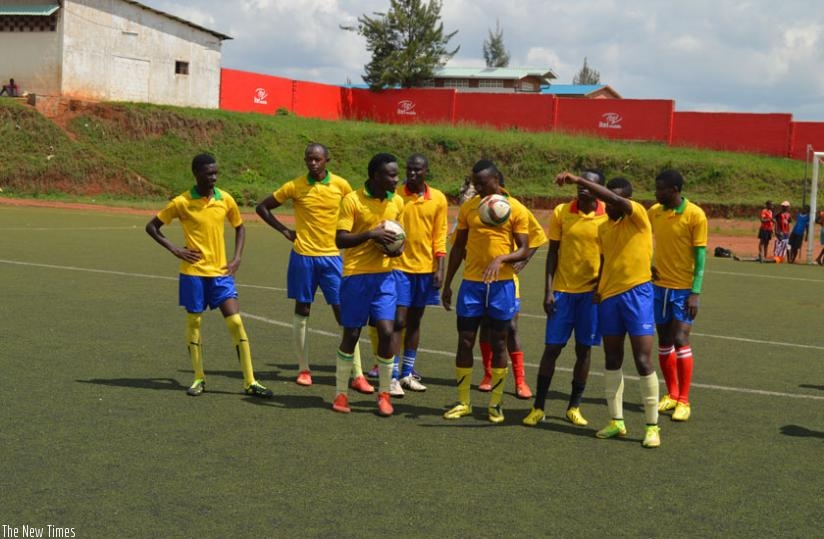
[132, 152]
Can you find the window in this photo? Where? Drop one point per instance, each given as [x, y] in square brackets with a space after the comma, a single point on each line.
[181, 68]
[490, 83]
[456, 83]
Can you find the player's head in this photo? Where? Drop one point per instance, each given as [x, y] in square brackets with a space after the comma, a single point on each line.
[383, 173]
[486, 178]
[201, 160]
[768, 204]
[668, 185]
[204, 167]
[621, 187]
[316, 157]
[417, 169]
[785, 206]
[593, 175]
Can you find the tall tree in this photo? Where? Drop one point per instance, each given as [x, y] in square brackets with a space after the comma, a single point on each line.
[407, 43]
[587, 75]
[495, 52]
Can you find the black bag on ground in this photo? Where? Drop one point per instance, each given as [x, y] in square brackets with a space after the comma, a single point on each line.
[722, 252]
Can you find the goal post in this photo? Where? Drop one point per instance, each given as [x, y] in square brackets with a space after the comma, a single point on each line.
[811, 243]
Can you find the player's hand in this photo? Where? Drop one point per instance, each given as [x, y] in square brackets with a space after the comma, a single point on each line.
[492, 270]
[549, 304]
[232, 267]
[290, 234]
[446, 298]
[189, 255]
[437, 280]
[382, 235]
[692, 305]
[565, 178]
[518, 266]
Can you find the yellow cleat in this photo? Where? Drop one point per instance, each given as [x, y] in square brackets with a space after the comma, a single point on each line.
[197, 388]
[667, 403]
[459, 410]
[652, 436]
[574, 416]
[535, 416]
[496, 414]
[614, 428]
[682, 412]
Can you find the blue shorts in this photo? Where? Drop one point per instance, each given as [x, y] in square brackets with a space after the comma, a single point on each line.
[415, 289]
[628, 312]
[671, 303]
[367, 296]
[573, 311]
[196, 293]
[495, 300]
[306, 273]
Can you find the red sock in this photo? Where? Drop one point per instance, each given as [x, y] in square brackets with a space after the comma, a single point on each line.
[685, 362]
[517, 359]
[666, 358]
[486, 357]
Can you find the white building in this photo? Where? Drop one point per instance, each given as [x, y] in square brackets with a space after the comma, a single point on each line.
[108, 50]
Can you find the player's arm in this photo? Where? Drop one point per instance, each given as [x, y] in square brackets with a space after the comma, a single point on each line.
[240, 243]
[456, 257]
[520, 253]
[700, 254]
[344, 239]
[600, 192]
[264, 210]
[549, 273]
[183, 253]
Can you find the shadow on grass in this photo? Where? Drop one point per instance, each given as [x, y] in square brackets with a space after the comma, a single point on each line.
[801, 432]
[811, 386]
[138, 383]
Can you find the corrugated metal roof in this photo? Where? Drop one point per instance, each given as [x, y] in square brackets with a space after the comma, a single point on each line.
[43, 10]
[576, 89]
[493, 73]
[184, 21]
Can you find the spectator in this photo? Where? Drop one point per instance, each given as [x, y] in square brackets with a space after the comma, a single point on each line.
[11, 89]
[782, 229]
[765, 231]
[802, 221]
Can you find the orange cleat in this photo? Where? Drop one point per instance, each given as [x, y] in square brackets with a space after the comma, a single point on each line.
[360, 385]
[385, 408]
[486, 383]
[522, 391]
[341, 404]
[304, 378]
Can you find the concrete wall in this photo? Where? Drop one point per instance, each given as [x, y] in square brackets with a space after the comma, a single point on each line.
[116, 51]
[32, 59]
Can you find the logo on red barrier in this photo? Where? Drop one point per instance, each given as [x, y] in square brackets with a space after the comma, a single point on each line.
[260, 96]
[406, 108]
[611, 120]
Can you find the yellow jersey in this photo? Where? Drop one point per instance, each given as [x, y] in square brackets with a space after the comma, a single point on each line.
[677, 232]
[626, 245]
[578, 255]
[425, 223]
[361, 212]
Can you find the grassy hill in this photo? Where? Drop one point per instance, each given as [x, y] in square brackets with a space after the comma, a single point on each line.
[131, 153]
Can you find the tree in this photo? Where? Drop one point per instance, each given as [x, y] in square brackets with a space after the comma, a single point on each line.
[407, 43]
[587, 75]
[495, 52]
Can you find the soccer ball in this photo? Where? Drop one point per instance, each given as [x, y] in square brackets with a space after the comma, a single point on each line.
[396, 246]
[494, 210]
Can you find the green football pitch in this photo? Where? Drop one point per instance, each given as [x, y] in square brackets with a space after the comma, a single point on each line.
[99, 436]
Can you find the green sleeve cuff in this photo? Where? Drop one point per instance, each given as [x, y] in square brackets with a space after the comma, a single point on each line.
[698, 274]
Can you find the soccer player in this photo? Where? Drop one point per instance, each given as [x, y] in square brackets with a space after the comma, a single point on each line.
[206, 278]
[799, 231]
[765, 230]
[680, 230]
[571, 275]
[368, 286]
[419, 271]
[315, 259]
[487, 288]
[537, 238]
[625, 300]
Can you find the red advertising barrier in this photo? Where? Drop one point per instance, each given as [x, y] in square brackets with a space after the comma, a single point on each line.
[242, 91]
[733, 131]
[503, 111]
[804, 133]
[626, 119]
[323, 101]
[404, 106]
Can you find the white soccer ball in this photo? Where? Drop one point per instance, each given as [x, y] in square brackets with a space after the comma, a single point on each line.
[396, 246]
[494, 210]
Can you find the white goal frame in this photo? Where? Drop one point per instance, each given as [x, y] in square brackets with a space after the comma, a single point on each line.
[811, 243]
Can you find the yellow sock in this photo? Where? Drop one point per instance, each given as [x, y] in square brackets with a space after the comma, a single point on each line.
[614, 392]
[357, 366]
[193, 343]
[244, 353]
[497, 393]
[463, 375]
[385, 366]
[649, 396]
[300, 335]
[343, 366]
[373, 339]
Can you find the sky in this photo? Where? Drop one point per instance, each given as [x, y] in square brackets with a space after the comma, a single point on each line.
[713, 56]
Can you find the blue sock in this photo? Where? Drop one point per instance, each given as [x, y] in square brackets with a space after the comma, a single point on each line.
[408, 362]
[395, 368]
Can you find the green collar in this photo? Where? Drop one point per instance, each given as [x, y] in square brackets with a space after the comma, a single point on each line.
[389, 194]
[195, 195]
[324, 181]
[680, 207]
